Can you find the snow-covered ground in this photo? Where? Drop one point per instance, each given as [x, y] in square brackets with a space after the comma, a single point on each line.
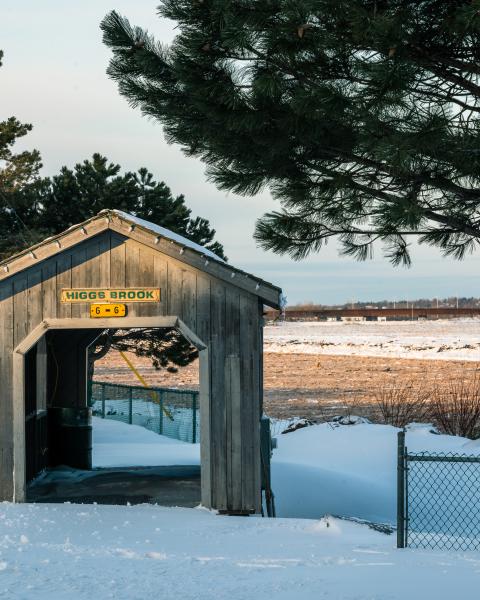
[449, 339]
[59, 552]
[79, 552]
[148, 414]
[117, 444]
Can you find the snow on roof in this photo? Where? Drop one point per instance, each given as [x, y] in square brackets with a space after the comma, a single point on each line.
[166, 233]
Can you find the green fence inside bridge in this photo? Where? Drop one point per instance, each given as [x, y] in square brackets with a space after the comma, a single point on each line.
[167, 411]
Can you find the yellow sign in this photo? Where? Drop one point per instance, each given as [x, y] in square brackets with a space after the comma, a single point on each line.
[110, 295]
[98, 311]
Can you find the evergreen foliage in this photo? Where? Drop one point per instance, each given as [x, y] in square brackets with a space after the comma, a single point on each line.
[50, 205]
[166, 348]
[16, 170]
[361, 116]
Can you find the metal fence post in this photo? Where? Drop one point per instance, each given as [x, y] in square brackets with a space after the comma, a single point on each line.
[130, 406]
[194, 417]
[401, 490]
[160, 423]
[103, 400]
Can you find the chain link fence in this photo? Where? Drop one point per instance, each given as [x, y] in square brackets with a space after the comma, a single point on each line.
[438, 500]
[167, 411]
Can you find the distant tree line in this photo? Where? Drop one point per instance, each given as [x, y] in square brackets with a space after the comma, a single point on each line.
[449, 302]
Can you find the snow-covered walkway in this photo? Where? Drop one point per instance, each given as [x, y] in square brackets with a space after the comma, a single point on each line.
[117, 444]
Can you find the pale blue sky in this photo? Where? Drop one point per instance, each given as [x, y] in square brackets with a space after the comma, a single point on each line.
[54, 77]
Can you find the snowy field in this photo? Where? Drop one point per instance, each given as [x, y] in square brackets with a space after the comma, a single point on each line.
[449, 339]
[60, 551]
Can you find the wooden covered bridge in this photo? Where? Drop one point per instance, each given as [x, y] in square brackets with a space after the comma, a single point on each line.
[155, 278]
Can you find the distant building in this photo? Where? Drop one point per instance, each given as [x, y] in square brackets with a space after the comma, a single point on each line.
[350, 319]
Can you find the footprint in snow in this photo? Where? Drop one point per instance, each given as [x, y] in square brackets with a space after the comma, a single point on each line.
[156, 555]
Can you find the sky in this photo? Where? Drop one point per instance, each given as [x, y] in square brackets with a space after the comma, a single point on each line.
[54, 76]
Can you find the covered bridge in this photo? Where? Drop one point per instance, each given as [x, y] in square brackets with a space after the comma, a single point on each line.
[163, 280]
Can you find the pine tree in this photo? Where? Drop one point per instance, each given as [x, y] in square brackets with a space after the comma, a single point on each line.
[361, 116]
[51, 205]
[16, 170]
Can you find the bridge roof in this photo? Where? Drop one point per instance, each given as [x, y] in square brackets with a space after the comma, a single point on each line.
[162, 239]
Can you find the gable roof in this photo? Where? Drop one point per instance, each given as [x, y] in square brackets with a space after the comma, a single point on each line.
[153, 235]
[169, 235]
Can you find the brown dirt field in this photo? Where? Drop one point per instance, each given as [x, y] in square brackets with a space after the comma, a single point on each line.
[307, 385]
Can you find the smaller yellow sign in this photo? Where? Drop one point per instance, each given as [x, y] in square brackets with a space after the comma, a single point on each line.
[98, 311]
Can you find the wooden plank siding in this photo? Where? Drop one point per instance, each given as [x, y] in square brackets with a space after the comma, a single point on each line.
[224, 316]
[6, 383]
[50, 281]
[218, 422]
[61, 280]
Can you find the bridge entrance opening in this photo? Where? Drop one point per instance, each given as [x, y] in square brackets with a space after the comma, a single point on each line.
[88, 440]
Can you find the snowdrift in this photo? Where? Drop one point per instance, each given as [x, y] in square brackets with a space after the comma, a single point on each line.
[347, 470]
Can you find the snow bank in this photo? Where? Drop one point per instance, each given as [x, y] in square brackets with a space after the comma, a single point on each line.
[450, 339]
[347, 470]
[53, 552]
[344, 470]
[117, 444]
